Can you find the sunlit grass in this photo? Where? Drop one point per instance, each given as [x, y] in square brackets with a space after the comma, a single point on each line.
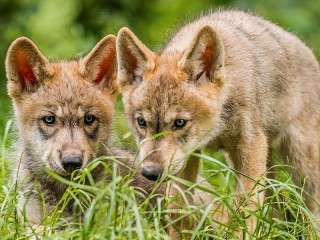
[113, 209]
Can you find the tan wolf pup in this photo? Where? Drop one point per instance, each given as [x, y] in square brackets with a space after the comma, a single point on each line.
[229, 81]
[64, 115]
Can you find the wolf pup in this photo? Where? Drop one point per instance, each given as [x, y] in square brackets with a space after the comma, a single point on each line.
[64, 115]
[229, 81]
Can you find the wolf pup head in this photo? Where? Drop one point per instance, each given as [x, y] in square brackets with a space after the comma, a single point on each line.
[63, 110]
[176, 92]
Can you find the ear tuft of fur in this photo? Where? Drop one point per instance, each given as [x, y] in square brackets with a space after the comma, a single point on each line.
[26, 67]
[100, 65]
[134, 58]
[205, 56]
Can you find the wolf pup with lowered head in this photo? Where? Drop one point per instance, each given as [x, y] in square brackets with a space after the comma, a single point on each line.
[229, 81]
[64, 115]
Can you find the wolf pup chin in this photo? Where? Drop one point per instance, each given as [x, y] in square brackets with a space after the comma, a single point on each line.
[64, 115]
[229, 81]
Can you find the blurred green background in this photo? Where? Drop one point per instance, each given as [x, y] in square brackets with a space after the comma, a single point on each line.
[66, 28]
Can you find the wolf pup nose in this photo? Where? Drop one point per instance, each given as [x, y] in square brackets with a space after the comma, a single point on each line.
[71, 163]
[152, 172]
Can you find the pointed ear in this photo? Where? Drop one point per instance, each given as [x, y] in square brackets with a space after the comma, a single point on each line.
[26, 67]
[100, 65]
[134, 58]
[205, 57]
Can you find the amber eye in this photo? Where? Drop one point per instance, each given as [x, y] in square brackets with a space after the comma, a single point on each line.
[142, 123]
[179, 123]
[49, 120]
[89, 119]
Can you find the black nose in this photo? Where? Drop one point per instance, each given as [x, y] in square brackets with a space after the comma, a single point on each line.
[71, 163]
[151, 172]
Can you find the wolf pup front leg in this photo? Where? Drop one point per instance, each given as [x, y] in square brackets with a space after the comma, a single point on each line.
[229, 81]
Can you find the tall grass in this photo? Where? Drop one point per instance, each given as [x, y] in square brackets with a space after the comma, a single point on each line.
[114, 209]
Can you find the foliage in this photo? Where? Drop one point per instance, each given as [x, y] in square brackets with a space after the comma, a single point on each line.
[111, 210]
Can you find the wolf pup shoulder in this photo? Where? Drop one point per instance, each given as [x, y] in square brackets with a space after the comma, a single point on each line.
[64, 115]
[229, 81]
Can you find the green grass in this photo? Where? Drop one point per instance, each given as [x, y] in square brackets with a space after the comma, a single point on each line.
[111, 210]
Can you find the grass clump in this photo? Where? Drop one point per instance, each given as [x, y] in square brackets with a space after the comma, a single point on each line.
[114, 209]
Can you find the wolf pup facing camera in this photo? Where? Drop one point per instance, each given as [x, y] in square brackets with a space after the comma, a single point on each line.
[229, 81]
[64, 115]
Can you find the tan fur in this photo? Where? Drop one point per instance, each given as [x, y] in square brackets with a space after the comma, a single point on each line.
[241, 83]
[69, 91]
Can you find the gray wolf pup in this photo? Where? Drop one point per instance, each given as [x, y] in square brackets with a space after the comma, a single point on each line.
[230, 81]
[64, 115]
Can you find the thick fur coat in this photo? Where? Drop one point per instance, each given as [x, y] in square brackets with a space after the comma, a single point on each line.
[230, 81]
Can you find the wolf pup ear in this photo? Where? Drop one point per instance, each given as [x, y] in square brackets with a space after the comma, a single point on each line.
[26, 67]
[134, 58]
[100, 65]
[205, 57]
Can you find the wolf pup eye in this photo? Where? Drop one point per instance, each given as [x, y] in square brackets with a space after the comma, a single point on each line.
[89, 119]
[142, 123]
[49, 120]
[179, 123]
